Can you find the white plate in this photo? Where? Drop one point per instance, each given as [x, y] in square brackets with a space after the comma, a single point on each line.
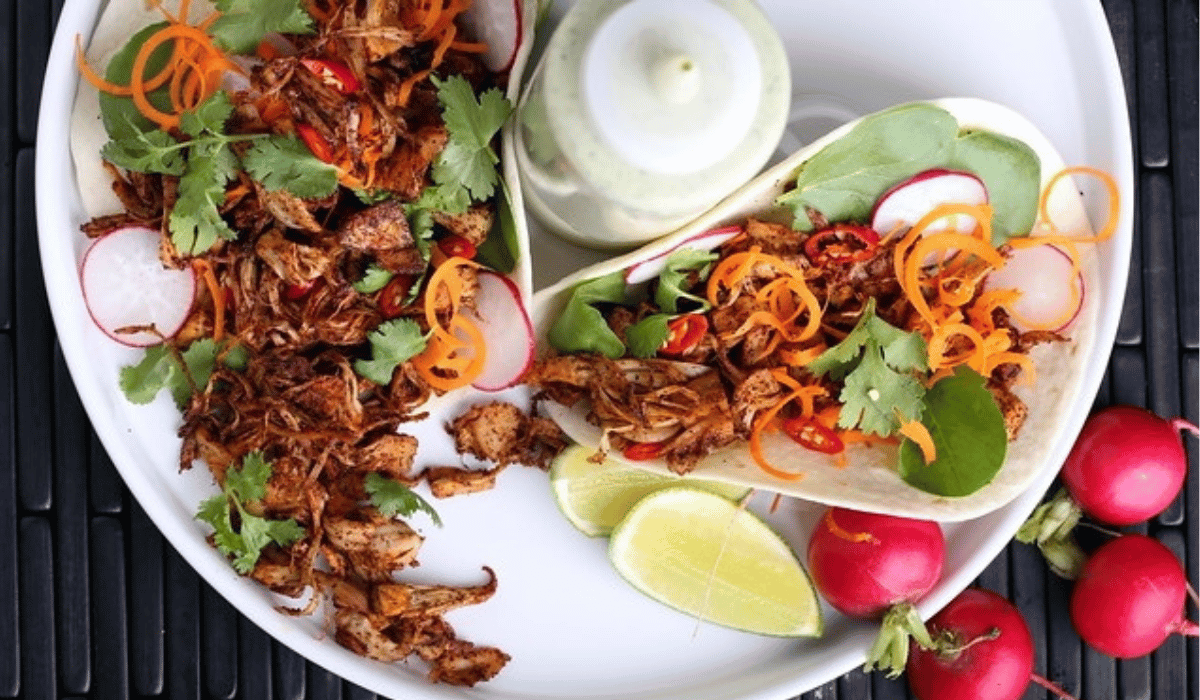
[573, 628]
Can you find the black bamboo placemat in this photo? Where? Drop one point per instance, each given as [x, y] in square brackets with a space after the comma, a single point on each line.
[94, 603]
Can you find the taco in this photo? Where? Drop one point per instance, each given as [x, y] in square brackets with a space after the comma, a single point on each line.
[324, 173]
[805, 338]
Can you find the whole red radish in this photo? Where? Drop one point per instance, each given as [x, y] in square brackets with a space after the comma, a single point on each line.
[1129, 597]
[1126, 467]
[982, 650]
[873, 566]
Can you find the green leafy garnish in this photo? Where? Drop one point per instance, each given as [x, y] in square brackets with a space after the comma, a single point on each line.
[195, 220]
[678, 268]
[118, 113]
[373, 280]
[160, 369]
[1012, 173]
[581, 327]
[244, 23]
[245, 543]
[967, 428]
[877, 363]
[151, 151]
[467, 164]
[285, 163]
[392, 343]
[393, 498]
[501, 248]
[647, 336]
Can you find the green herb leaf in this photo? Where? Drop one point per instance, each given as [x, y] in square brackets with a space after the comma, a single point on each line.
[146, 151]
[121, 118]
[968, 431]
[209, 117]
[677, 270]
[467, 161]
[159, 369]
[1012, 174]
[285, 163]
[392, 343]
[249, 483]
[373, 280]
[393, 498]
[244, 23]
[195, 220]
[141, 382]
[581, 327]
[647, 336]
[500, 250]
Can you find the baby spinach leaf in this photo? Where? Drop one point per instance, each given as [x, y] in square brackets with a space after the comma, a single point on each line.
[1012, 173]
[121, 118]
[968, 432]
[581, 327]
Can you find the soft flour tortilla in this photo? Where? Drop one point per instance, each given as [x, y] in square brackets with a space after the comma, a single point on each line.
[869, 481]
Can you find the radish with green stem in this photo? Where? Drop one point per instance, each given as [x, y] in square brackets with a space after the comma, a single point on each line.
[872, 566]
[1126, 467]
[981, 649]
[1130, 597]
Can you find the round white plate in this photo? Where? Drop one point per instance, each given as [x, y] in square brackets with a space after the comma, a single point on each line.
[573, 628]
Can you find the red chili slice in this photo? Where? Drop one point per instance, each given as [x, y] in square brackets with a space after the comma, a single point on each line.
[315, 142]
[335, 74]
[457, 247]
[296, 292]
[684, 333]
[812, 435]
[841, 243]
[640, 451]
[394, 296]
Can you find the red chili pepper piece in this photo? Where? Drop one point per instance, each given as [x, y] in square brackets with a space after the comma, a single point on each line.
[315, 142]
[841, 243]
[335, 74]
[457, 247]
[296, 292]
[812, 435]
[640, 451]
[684, 333]
[394, 295]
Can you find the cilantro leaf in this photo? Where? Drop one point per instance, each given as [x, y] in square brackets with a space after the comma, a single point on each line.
[160, 369]
[679, 266]
[146, 151]
[209, 117]
[244, 544]
[243, 23]
[467, 161]
[874, 392]
[393, 498]
[968, 433]
[195, 220]
[373, 280]
[392, 343]
[141, 382]
[647, 335]
[285, 163]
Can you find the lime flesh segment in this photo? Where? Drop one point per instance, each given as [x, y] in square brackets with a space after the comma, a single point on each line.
[595, 496]
[703, 555]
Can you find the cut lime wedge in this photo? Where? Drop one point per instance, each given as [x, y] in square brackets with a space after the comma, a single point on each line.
[703, 555]
[595, 496]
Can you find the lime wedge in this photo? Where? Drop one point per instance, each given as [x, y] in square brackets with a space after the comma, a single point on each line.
[595, 496]
[703, 555]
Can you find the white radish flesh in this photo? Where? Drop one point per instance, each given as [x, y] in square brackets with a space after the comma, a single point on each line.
[650, 268]
[507, 331]
[125, 285]
[1051, 296]
[497, 23]
[905, 203]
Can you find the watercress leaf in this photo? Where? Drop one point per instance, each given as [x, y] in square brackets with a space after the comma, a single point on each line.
[285, 163]
[581, 327]
[393, 498]
[873, 392]
[244, 23]
[373, 280]
[648, 335]
[195, 220]
[1012, 174]
[676, 271]
[843, 180]
[209, 117]
[392, 343]
[968, 432]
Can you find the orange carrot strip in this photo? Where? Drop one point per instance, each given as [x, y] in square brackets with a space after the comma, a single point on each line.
[205, 270]
[919, 434]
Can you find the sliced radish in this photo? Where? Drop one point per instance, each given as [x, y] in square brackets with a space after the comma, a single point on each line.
[1050, 298]
[506, 329]
[904, 204]
[498, 24]
[125, 285]
[650, 268]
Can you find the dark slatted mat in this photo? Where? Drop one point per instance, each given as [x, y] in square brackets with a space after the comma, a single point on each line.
[94, 604]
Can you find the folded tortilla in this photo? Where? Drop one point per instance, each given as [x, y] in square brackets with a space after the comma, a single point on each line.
[869, 479]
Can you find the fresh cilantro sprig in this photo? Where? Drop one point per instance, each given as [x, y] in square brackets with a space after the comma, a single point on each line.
[245, 542]
[393, 498]
[878, 364]
[466, 168]
[392, 343]
[161, 368]
[244, 23]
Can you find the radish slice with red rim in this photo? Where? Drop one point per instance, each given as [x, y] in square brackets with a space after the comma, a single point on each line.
[904, 204]
[125, 285]
[646, 270]
[507, 331]
[496, 23]
[1050, 297]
